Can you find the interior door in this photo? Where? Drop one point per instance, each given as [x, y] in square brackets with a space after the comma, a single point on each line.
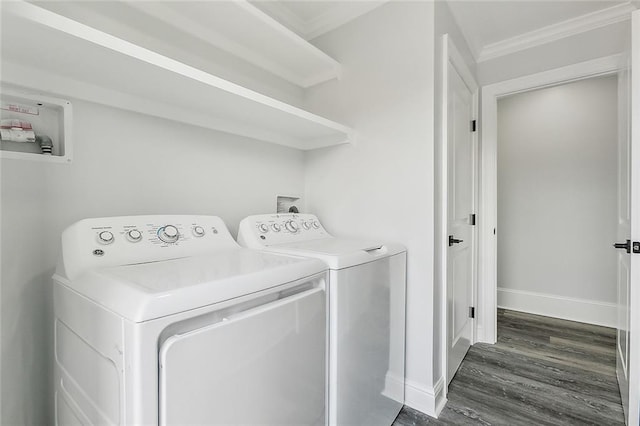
[627, 345]
[461, 207]
[623, 233]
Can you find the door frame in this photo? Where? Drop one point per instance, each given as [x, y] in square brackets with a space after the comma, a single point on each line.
[487, 319]
[452, 56]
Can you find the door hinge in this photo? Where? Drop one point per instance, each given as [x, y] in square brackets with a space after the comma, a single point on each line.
[472, 219]
[473, 125]
[636, 247]
[472, 312]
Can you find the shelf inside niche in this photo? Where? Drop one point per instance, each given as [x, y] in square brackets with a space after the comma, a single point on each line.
[43, 49]
[50, 119]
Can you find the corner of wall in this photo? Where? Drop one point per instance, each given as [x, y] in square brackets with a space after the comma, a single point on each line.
[429, 400]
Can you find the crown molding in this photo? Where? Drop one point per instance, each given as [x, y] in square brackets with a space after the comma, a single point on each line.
[550, 33]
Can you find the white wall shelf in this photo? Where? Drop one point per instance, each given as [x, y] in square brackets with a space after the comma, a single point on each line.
[268, 45]
[55, 54]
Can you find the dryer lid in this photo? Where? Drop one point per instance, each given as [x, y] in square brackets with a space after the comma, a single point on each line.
[145, 291]
[340, 253]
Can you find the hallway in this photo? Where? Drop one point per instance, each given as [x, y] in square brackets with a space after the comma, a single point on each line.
[542, 371]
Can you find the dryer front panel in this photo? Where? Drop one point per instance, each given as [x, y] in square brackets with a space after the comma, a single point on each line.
[263, 366]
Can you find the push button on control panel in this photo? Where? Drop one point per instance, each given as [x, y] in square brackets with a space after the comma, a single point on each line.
[198, 231]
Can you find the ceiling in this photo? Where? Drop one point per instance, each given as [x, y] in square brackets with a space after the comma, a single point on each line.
[491, 28]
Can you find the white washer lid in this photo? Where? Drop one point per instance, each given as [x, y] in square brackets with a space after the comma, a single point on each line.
[339, 253]
[145, 291]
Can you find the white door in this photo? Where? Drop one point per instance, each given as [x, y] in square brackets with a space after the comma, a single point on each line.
[461, 206]
[627, 345]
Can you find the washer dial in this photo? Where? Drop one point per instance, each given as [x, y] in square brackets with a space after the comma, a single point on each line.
[134, 235]
[168, 234]
[263, 228]
[306, 225]
[316, 224]
[291, 226]
[276, 227]
[105, 237]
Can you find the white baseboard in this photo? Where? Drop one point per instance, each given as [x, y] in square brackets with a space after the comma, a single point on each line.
[569, 308]
[429, 401]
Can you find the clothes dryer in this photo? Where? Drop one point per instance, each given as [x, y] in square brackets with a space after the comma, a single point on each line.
[366, 310]
[166, 320]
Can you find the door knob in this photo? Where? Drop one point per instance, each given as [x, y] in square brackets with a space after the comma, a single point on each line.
[626, 246]
[453, 241]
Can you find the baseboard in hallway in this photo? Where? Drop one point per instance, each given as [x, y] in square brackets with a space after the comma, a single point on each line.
[542, 371]
[551, 305]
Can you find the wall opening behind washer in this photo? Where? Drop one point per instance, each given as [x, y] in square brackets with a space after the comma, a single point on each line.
[557, 200]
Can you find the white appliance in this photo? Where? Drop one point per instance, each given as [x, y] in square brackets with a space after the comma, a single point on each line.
[166, 320]
[366, 307]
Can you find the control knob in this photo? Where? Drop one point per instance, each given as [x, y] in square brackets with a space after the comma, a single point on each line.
[305, 225]
[168, 234]
[316, 224]
[134, 235]
[198, 231]
[105, 237]
[275, 227]
[263, 228]
[291, 226]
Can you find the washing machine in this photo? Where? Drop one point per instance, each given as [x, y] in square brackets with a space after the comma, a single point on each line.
[167, 320]
[366, 310]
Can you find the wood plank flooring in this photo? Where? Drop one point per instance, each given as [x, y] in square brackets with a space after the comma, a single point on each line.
[542, 371]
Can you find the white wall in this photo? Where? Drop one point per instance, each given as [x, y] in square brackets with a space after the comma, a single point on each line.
[124, 164]
[557, 200]
[383, 186]
[604, 41]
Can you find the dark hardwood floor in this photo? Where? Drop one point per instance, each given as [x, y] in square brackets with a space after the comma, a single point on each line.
[542, 371]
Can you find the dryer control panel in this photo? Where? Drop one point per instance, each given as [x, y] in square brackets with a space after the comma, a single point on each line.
[268, 229]
[124, 240]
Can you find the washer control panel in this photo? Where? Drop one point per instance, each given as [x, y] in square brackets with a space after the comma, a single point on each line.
[265, 230]
[153, 232]
[126, 240]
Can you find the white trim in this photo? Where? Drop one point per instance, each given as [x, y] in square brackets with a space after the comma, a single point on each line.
[551, 305]
[429, 401]
[487, 286]
[550, 33]
[451, 56]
